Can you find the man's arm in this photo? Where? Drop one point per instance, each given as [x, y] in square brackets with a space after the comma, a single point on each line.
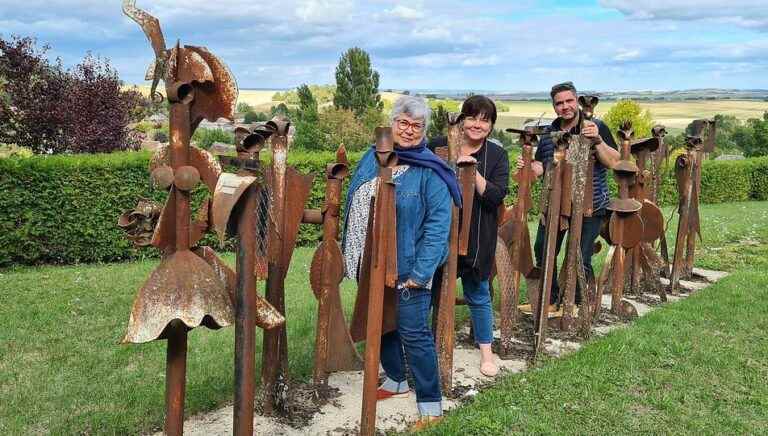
[605, 150]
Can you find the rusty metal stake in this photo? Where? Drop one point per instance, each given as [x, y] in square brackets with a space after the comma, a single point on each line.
[554, 189]
[516, 243]
[289, 191]
[446, 303]
[625, 226]
[334, 349]
[382, 270]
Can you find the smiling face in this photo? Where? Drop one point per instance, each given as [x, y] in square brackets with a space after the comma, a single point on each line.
[566, 105]
[477, 128]
[408, 132]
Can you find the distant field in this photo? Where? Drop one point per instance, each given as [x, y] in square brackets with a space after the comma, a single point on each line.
[676, 115]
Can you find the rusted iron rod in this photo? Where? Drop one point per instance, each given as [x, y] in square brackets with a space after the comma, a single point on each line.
[245, 316]
[555, 172]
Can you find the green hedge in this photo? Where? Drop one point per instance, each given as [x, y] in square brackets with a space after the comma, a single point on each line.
[64, 209]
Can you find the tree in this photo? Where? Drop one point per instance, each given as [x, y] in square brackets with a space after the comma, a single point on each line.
[438, 121]
[308, 135]
[49, 109]
[357, 83]
[754, 139]
[307, 104]
[629, 110]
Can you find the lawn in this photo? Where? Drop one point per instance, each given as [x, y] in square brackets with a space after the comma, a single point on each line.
[694, 367]
[699, 361]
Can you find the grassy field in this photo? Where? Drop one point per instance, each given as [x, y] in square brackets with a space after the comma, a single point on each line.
[63, 372]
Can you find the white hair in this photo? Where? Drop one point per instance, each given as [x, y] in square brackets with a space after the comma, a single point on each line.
[414, 107]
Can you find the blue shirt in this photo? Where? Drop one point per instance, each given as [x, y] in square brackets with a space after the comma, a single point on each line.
[546, 150]
[423, 209]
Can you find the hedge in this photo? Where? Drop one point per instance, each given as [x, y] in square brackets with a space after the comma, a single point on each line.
[63, 209]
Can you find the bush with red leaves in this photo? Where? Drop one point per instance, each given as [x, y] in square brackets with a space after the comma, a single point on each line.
[52, 110]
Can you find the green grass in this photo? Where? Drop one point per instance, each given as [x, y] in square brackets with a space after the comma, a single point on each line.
[694, 367]
[63, 372]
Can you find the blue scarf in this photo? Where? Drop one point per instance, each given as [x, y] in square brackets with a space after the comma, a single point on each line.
[421, 156]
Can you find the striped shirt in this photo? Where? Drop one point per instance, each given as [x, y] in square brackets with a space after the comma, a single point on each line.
[546, 150]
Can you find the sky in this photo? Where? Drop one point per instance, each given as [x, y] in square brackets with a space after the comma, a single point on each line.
[522, 45]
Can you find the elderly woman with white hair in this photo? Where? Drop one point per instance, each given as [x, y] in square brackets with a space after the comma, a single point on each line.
[424, 187]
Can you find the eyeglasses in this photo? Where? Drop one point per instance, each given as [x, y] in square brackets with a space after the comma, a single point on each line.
[404, 125]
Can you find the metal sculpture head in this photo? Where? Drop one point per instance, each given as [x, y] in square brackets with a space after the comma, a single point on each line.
[190, 73]
[706, 131]
[385, 147]
[529, 136]
[659, 131]
[588, 103]
[625, 131]
[340, 168]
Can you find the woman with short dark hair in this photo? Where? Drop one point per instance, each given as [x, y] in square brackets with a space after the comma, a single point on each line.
[491, 185]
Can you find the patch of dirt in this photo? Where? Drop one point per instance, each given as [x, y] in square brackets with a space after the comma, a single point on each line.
[299, 402]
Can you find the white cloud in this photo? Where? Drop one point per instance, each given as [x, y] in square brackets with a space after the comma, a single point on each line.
[434, 33]
[751, 14]
[626, 55]
[406, 13]
[323, 11]
[478, 61]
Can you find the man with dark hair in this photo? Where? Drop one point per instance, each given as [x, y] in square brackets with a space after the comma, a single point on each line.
[569, 119]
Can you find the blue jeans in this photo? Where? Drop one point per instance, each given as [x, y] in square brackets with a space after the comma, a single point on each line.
[414, 336]
[478, 297]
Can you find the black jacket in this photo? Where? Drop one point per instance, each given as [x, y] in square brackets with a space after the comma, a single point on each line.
[493, 164]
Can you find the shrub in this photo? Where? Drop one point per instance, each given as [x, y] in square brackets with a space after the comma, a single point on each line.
[254, 117]
[52, 110]
[160, 135]
[204, 138]
[64, 209]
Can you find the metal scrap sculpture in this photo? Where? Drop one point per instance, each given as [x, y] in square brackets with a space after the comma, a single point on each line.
[334, 348]
[577, 203]
[552, 197]
[288, 192]
[445, 304]
[378, 274]
[514, 258]
[645, 266]
[688, 175]
[190, 287]
[235, 213]
[625, 227]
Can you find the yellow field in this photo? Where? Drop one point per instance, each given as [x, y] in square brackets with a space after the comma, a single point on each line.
[674, 114]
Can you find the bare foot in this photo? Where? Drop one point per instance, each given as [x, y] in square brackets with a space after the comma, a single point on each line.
[487, 361]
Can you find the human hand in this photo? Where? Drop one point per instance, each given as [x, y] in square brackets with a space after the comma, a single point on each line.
[411, 284]
[520, 163]
[590, 130]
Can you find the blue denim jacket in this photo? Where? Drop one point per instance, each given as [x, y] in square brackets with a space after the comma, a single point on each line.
[423, 218]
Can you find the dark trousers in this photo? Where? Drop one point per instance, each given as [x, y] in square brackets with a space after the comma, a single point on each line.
[590, 230]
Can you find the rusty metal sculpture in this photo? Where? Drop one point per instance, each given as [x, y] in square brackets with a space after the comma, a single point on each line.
[378, 275]
[514, 258]
[235, 212]
[552, 197]
[334, 348]
[139, 223]
[577, 203]
[645, 266]
[185, 290]
[288, 193]
[688, 175]
[625, 225]
[445, 304]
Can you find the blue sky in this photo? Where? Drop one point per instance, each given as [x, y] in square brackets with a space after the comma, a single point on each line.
[520, 45]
